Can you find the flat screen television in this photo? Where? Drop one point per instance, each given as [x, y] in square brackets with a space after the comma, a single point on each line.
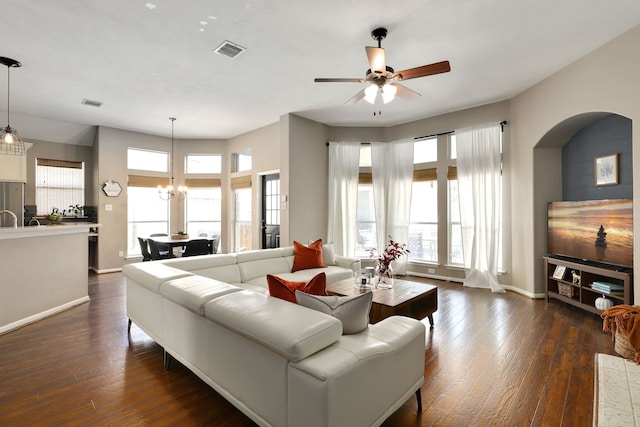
[594, 230]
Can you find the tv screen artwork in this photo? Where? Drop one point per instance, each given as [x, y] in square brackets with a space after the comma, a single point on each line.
[593, 230]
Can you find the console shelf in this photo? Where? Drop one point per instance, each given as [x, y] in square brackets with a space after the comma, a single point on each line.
[562, 288]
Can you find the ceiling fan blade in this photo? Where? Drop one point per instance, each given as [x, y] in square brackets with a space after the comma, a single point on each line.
[377, 60]
[355, 98]
[331, 80]
[425, 70]
[405, 92]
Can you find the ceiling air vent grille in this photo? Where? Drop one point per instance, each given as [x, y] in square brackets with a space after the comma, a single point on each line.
[229, 49]
[91, 103]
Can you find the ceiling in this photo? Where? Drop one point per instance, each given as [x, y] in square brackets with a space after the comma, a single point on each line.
[148, 60]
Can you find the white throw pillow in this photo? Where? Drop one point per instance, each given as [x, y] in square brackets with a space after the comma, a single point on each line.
[328, 253]
[352, 311]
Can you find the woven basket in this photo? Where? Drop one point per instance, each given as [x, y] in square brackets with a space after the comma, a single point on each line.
[623, 347]
[566, 290]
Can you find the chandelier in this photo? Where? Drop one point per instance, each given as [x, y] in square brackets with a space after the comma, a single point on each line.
[10, 141]
[169, 192]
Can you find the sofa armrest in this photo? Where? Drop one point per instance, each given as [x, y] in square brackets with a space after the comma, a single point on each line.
[348, 262]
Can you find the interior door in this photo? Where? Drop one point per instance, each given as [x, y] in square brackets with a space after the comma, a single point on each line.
[270, 223]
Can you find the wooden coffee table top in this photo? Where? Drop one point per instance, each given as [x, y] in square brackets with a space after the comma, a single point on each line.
[403, 291]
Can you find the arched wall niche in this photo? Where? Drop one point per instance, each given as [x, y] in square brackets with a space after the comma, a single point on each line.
[547, 168]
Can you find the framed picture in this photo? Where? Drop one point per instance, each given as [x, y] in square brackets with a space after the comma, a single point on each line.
[559, 272]
[605, 169]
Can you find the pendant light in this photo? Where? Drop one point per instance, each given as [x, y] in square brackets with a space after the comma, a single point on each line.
[169, 193]
[10, 141]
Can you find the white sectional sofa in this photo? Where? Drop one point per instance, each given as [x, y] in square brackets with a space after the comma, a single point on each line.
[280, 363]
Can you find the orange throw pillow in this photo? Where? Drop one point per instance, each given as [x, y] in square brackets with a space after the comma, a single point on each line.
[307, 256]
[286, 290]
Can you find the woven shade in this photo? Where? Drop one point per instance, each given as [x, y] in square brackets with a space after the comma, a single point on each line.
[203, 183]
[425, 175]
[452, 173]
[147, 181]
[241, 182]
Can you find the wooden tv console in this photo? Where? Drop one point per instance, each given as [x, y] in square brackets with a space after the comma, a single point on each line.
[582, 295]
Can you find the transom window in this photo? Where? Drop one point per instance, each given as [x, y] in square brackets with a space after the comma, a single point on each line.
[147, 160]
[203, 163]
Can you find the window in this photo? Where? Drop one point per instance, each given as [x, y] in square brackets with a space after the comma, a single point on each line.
[423, 224]
[425, 150]
[365, 218]
[147, 160]
[453, 154]
[59, 184]
[455, 228]
[203, 211]
[203, 163]
[242, 219]
[241, 162]
[147, 213]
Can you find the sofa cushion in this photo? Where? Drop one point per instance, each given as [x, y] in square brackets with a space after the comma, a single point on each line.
[249, 270]
[290, 330]
[152, 274]
[333, 273]
[285, 289]
[352, 311]
[219, 267]
[307, 256]
[193, 292]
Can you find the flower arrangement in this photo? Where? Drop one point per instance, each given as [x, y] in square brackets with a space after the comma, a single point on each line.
[393, 251]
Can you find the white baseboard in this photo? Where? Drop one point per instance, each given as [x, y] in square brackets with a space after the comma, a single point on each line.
[459, 280]
[39, 316]
[106, 270]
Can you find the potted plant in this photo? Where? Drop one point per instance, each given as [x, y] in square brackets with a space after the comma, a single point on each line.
[76, 209]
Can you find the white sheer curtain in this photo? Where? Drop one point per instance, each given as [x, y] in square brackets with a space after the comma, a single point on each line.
[480, 192]
[392, 170]
[344, 162]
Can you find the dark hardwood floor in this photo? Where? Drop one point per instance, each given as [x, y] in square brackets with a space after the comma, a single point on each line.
[491, 360]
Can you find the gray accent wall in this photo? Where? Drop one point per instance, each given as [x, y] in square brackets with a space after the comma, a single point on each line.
[609, 135]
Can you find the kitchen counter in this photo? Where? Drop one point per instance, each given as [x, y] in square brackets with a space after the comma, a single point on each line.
[47, 230]
[43, 270]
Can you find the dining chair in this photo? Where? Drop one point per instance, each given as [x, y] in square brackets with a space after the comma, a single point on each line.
[144, 247]
[161, 246]
[214, 244]
[196, 247]
[157, 253]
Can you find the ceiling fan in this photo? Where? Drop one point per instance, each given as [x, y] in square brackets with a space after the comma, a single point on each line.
[382, 79]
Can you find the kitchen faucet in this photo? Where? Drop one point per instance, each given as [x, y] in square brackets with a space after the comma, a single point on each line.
[15, 218]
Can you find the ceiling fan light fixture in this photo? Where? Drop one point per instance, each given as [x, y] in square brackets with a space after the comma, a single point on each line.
[370, 93]
[388, 93]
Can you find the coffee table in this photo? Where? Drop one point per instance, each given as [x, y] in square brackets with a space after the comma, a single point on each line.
[406, 298]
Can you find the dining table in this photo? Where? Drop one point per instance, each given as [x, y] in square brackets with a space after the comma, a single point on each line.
[174, 243]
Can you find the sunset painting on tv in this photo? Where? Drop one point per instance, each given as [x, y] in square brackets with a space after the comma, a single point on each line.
[593, 230]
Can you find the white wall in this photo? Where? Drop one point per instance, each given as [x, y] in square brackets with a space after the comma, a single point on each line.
[604, 81]
[264, 144]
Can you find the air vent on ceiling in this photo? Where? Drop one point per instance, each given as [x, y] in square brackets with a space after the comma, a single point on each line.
[229, 49]
[91, 103]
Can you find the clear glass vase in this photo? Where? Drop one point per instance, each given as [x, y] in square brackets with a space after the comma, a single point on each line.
[384, 276]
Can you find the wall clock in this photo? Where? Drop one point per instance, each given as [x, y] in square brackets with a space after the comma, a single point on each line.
[111, 188]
